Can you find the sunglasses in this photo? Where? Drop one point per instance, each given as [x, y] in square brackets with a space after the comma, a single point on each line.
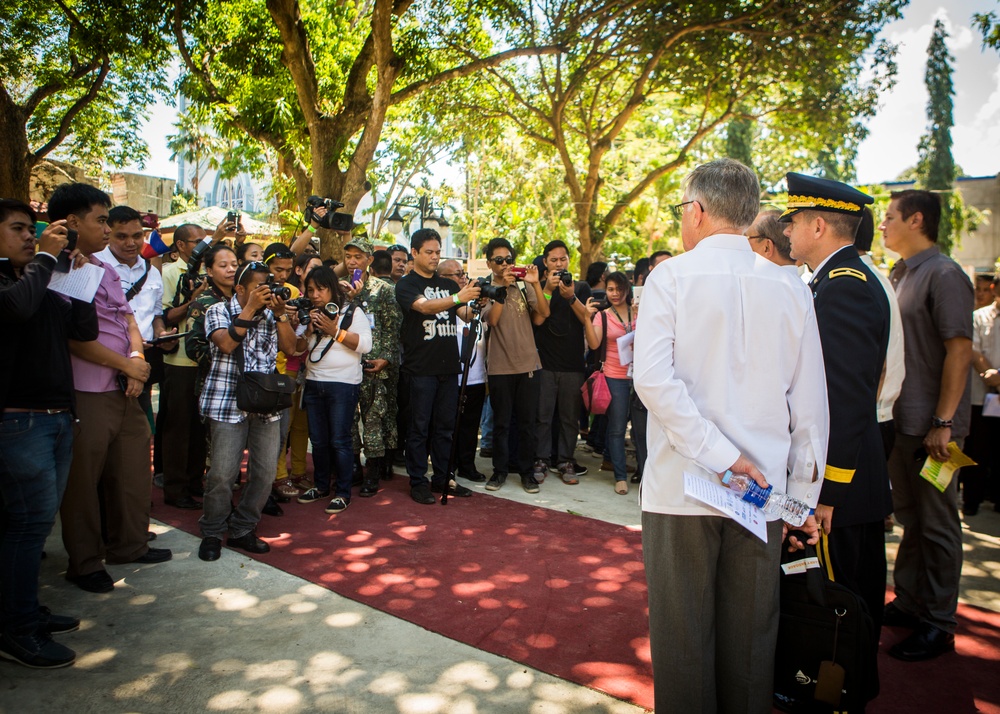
[253, 265]
[499, 260]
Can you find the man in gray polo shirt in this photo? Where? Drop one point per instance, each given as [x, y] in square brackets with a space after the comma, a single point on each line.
[935, 302]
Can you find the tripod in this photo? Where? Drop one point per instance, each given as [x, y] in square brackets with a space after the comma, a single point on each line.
[469, 342]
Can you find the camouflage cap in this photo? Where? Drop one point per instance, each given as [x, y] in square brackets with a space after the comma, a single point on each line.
[361, 243]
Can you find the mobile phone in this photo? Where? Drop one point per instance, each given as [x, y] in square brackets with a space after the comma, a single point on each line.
[232, 217]
[122, 382]
[355, 276]
[519, 272]
[168, 338]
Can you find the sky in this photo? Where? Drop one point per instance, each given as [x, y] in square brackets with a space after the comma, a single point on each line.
[891, 146]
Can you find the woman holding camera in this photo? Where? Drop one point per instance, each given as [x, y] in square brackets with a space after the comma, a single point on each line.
[616, 321]
[337, 335]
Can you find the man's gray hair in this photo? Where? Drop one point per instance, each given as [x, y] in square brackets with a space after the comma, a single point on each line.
[767, 225]
[727, 190]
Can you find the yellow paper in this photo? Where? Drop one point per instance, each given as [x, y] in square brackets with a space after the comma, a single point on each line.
[940, 473]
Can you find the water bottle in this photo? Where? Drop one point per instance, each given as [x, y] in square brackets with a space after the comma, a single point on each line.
[791, 510]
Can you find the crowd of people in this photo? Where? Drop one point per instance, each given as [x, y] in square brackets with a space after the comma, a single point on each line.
[725, 358]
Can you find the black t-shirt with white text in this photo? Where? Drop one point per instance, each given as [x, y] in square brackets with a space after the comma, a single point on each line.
[560, 339]
[429, 344]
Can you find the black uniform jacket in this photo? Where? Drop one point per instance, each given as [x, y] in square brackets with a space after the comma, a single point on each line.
[852, 312]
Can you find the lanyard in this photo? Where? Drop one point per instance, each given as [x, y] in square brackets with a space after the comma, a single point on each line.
[628, 327]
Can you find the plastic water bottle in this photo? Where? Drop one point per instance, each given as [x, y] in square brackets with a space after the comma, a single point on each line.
[788, 509]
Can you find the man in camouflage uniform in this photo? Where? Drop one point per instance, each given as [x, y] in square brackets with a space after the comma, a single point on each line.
[377, 402]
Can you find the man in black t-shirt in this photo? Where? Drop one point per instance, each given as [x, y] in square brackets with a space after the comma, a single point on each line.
[560, 342]
[431, 363]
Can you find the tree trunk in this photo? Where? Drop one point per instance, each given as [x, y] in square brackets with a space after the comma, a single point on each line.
[16, 159]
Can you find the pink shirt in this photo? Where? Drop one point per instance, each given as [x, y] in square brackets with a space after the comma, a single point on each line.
[112, 319]
[612, 367]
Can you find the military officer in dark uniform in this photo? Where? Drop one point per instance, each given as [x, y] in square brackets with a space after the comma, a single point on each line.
[852, 313]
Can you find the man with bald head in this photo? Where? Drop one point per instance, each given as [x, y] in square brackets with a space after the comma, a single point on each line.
[767, 238]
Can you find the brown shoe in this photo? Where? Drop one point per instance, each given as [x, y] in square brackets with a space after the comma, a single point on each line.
[286, 488]
[301, 482]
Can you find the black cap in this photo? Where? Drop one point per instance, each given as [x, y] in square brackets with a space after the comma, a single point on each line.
[808, 193]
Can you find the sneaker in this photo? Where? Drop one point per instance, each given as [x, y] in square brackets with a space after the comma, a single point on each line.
[475, 477]
[496, 482]
[52, 624]
[529, 483]
[158, 480]
[578, 469]
[454, 489]
[338, 504]
[36, 650]
[313, 494]
[568, 473]
[539, 471]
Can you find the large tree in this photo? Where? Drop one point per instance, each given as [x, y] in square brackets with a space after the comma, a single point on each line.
[936, 167]
[684, 70]
[315, 80]
[77, 80]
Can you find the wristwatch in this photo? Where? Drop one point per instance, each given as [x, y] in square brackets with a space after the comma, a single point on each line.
[939, 423]
[283, 317]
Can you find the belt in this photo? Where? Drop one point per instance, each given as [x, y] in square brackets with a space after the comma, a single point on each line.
[15, 410]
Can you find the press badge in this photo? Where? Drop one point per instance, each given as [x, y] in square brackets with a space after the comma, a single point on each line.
[800, 566]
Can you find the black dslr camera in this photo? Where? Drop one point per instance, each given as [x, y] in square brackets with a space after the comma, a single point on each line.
[332, 220]
[491, 292]
[279, 291]
[303, 305]
[565, 277]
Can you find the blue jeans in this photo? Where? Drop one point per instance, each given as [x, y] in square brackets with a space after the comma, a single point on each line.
[330, 407]
[433, 401]
[36, 450]
[261, 440]
[618, 413]
[486, 426]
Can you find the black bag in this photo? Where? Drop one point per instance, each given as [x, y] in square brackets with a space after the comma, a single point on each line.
[261, 392]
[823, 627]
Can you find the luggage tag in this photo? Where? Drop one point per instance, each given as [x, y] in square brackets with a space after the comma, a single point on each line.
[830, 680]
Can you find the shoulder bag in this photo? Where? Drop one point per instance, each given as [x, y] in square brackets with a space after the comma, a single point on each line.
[596, 395]
[261, 392]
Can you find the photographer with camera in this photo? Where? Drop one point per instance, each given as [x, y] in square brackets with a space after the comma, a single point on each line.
[338, 333]
[246, 333]
[111, 455]
[561, 349]
[512, 360]
[431, 363]
[36, 427]
[377, 435]
[183, 433]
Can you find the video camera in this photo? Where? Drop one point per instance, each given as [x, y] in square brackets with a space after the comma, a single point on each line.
[192, 280]
[332, 220]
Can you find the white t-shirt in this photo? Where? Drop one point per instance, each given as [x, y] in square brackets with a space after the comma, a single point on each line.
[332, 361]
[477, 369]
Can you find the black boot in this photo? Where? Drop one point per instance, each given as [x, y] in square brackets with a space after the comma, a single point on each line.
[359, 471]
[271, 508]
[369, 486]
[386, 472]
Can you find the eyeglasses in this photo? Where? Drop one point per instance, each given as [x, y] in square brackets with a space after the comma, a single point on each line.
[452, 275]
[757, 237]
[678, 210]
[500, 260]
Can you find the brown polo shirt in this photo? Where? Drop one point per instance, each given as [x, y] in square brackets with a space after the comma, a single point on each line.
[936, 299]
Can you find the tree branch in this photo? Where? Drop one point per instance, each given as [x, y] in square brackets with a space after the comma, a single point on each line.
[295, 55]
[63, 131]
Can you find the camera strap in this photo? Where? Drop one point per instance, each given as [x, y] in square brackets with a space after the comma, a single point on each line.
[604, 340]
[137, 285]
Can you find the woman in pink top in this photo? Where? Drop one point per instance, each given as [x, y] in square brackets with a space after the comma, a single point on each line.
[620, 319]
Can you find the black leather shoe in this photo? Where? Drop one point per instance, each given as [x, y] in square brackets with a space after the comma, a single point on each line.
[636, 478]
[249, 542]
[453, 490]
[210, 548]
[927, 642]
[271, 508]
[186, 503]
[475, 477]
[368, 489]
[155, 555]
[892, 616]
[96, 582]
[422, 494]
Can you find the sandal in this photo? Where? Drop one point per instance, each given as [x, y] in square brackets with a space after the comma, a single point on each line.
[286, 488]
[621, 487]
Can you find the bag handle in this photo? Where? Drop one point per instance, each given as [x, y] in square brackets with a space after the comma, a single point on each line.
[604, 340]
[815, 577]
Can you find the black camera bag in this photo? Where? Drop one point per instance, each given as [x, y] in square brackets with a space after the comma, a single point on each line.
[821, 621]
[261, 392]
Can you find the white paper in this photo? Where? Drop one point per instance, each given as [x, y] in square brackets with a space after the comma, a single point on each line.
[722, 499]
[991, 405]
[79, 283]
[625, 348]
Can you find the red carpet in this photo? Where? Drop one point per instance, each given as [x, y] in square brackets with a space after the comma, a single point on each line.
[561, 593]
